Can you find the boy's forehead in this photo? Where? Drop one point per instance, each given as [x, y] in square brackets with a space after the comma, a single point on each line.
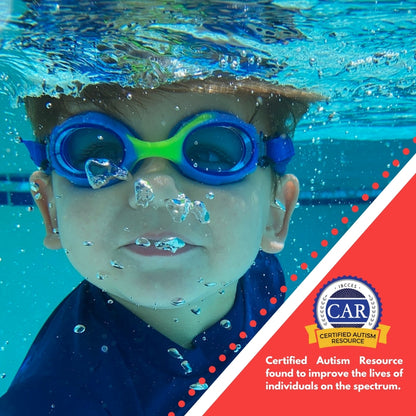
[154, 114]
[138, 108]
[141, 101]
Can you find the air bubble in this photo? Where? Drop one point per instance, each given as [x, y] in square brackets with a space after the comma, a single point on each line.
[199, 210]
[34, 187]
[101, 276]
[143, 242]
[104, 348]
[235, 63]
[210, 284]
[198, 386]
[79, 329]
[173, 352]
[116, 265]
[186, 367]
[88, 243]
[129, 96]
[101, 171]
[223, 62]
[210, 195]
[237, 348]
[280, 205]
[196, 311]
[143, 193]
[178, 207]
[178, 301]
[48, 105]
[171, 244]
[225, 323]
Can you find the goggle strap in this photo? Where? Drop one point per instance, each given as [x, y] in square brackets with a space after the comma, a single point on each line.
[279, 151]
[37, 153]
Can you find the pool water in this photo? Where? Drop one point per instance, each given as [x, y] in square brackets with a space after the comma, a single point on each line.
[359, 54]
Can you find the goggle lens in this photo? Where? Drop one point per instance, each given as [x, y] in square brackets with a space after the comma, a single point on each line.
[215, 149]
[85, 143]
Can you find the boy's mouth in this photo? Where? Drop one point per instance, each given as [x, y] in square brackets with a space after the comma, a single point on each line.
[159, 246]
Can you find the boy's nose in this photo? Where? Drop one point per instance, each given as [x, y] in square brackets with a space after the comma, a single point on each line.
[154, 182]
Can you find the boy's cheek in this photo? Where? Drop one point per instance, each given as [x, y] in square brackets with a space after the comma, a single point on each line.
[244, 214]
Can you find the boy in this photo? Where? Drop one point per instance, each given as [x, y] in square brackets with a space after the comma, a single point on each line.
[161, 199]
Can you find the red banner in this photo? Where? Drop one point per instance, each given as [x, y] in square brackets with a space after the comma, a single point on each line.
[284, 369]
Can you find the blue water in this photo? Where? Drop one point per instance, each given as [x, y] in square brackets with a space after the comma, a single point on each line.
[359, 54]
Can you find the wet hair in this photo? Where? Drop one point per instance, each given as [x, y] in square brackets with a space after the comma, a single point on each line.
[284, 105]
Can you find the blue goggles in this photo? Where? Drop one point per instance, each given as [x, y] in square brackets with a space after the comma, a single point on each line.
[212, 147]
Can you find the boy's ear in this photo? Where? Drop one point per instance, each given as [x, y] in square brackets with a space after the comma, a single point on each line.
[41, 189]
[285, 197]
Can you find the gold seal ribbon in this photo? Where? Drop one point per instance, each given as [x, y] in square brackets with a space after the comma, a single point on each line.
[338, 337]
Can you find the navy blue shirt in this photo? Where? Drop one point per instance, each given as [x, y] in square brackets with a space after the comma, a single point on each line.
[93, 357]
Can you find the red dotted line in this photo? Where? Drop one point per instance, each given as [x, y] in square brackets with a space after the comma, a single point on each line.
[283, 289]
[191, 393]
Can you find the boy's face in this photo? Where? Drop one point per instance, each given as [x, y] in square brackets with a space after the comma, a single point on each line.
[99, 228]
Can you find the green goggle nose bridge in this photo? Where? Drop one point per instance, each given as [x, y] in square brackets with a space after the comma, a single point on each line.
[213, 148]
[172, 148]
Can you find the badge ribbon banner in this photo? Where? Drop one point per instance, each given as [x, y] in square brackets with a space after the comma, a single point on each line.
[337, 337]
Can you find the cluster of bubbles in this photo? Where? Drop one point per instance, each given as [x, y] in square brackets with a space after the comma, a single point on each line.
[100, 172]
[171, 244]
[179, 207]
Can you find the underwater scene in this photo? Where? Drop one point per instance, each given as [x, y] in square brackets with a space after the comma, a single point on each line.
[353, 60]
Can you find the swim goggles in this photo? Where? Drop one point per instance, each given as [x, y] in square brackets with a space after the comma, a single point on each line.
[211, 147]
